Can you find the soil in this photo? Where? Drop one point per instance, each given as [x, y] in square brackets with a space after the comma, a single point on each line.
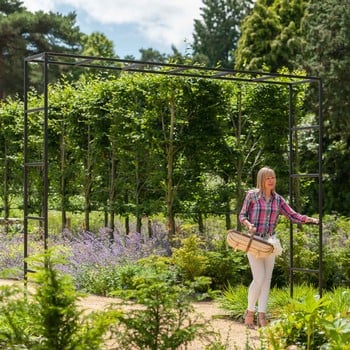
[234, 335]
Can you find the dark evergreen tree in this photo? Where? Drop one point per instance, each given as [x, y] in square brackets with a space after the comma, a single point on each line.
[23, 33]
[151, 55]
[216, 35]
[326, 43]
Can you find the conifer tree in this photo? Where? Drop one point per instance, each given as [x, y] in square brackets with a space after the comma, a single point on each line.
[23, 33]
[216, 34]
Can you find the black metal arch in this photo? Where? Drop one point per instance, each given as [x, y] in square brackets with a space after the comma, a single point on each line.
[49, 59]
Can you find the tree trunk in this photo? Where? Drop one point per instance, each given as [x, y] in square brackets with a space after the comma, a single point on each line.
[112, 191]
[138, 223]
[149, 226]
[63, 182]
[137, 196]
[6, 200]
[88, 182]
[200, 223]
[2, 85]
[170, 195]
[127, 225]
[228, 215]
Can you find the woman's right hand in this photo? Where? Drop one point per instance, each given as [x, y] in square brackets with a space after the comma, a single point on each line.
[251, 229]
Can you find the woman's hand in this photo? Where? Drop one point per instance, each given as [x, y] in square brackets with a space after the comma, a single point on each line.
[312, 221]
[251, 228]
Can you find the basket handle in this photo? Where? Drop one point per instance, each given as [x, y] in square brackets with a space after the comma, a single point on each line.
[250, 242]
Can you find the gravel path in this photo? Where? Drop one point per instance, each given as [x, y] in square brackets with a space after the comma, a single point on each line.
[233, 334]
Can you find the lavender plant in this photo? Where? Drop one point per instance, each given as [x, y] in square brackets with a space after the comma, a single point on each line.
[11, 257]
[89, 253]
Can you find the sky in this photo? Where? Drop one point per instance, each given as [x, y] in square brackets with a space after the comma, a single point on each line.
[131, 24]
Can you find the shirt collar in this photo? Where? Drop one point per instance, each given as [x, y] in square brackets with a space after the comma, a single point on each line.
[261, 194]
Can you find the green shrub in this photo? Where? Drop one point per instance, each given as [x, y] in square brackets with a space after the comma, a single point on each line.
[234, 301]
[165, 320]
[48, 317]
[104, 280]
[339, 304]
[226, 266]
[190, 258]
[309, 321]
[299, 324]
[280, 298]
[306, 320]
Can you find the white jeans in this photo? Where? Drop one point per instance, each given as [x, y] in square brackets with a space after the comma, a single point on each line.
[259, 289]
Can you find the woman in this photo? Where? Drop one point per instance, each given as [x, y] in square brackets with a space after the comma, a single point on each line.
[259, 214]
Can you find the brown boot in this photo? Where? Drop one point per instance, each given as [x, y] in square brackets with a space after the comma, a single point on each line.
[262, 321]
[249, 319]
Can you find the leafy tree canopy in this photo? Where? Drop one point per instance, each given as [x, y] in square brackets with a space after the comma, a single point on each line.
[326, 35]
[23, 33]
[270, 35]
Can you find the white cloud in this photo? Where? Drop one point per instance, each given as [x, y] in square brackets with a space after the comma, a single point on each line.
[161, 21]
[36, 5]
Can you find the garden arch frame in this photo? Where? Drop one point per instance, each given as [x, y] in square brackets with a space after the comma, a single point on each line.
[50, 59]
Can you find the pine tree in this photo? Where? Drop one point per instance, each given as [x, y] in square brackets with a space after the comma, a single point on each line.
[23, 33]
[216, 35]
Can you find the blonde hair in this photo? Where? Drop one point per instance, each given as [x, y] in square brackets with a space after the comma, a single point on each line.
[263, 173]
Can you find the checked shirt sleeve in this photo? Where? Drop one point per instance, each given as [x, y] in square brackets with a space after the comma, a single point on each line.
[291, 214]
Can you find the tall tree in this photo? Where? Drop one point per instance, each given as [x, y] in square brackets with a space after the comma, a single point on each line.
[270, 35]
[23, 33]
[64, 169]
[98, 45]
[326, 34]
[215, 36]
[326, 42]
[151, 55]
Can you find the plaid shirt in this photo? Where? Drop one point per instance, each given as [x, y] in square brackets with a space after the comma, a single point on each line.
[264, 214]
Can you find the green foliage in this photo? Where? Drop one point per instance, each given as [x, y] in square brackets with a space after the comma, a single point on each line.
[49, 317]
[11, 157]
[190, 258]
[338, 302]
[280, 297]
[216, 34]
[57, 318]
[306, 320]
[160, 316]
[104, 280]
[271, 35]
[32, 33]
[226, 266]
[326, 39]
[15, 319]
[326, 35]
[112, 141]
[336, 324]
[234, 300]
[300, 323]
[338, 331]
[163, 321]
[306, 254]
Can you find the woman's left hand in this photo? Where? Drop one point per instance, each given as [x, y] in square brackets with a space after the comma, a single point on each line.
[312, 221]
